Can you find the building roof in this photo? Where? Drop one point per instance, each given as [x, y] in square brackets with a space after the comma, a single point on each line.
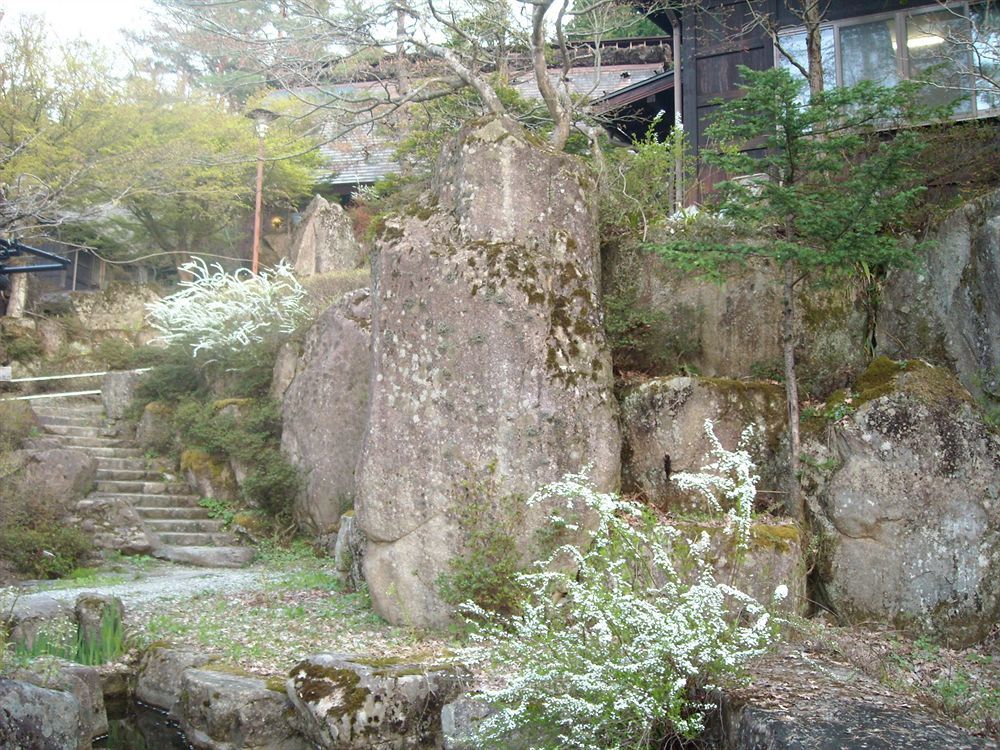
[366, 154]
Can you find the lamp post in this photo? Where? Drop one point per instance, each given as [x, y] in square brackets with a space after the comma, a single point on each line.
[261, 119]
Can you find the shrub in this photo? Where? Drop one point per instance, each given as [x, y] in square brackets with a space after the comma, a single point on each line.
[623, 649]
[217, 313]
[486, 572]
[272, 484]
[16, 423]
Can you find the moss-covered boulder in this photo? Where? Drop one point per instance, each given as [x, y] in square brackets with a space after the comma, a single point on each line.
[488, 360]
[906, 500]
[350, 702]
[663, 432]
[211, 477]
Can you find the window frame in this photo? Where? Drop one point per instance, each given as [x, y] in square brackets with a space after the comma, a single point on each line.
[902, 56]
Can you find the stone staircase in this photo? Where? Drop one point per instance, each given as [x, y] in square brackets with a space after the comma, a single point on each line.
[182, 530]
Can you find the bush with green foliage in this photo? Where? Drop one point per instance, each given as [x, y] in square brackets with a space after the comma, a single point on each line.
[33, 537]
[623, 647]
[486, 573]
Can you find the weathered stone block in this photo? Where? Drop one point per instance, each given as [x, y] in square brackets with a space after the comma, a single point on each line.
[82, 682]
[324, 240]
[220, 711]
[118, 391]
[35, 718]
[161, 670]
[344, 702]
[489, 359]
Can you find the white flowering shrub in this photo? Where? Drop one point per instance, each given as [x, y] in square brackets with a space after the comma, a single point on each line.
[621, 650]
[728, 484]
[216, 312]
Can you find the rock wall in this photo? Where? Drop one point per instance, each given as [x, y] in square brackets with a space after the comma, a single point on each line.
[324, 411]
[732, 329]
[488, 356]
[907, 501]
[947, 310]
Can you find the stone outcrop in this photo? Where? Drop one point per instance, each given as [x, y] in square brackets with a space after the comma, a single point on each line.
[731, 329]
[489, 360]
[348, 553]
[343, 702]
[94, 613]
[663, 433]
[324, 411]
[906, 496]
[324, 240]
[220, 711]
[36, 718]
[945, 310]
[801, 702]
[160, 675]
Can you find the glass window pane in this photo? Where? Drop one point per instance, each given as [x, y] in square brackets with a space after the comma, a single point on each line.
[938, 48]
[868, 53]
[795, 46]
[986, 55]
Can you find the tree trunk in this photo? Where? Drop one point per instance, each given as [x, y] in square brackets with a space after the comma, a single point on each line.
[18, 295]
[794, 504]
[812, 17]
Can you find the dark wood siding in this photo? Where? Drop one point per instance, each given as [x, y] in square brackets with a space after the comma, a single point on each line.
[718, 39]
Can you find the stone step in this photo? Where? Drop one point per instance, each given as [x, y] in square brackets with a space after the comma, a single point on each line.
[111, 451]
[74, 430]
[127, 475]
[165, 513]
[162, 526]
[109, 463]
[141, 487]
[69, 420]
[209, 557]
[148, 500]
[78, 441]
[195, 539]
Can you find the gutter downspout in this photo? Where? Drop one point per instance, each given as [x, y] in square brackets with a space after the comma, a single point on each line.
[675, 25]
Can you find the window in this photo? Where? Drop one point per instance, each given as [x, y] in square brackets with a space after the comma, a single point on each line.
[954, 49]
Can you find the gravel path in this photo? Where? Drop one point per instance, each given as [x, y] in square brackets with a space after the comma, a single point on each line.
[159, 584]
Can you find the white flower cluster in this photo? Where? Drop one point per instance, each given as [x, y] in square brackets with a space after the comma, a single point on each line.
[621, 648]
[732, 477]
[216, 311]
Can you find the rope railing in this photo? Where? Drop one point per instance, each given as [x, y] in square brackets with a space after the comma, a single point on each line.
[62, 394]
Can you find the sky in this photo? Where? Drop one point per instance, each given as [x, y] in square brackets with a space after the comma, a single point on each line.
[96, 20]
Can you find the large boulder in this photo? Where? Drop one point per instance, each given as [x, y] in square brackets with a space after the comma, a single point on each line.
[220, 711]
[82, 682]
[324, 411]
[36, 718]
[59, 473]
[663, 431]
[945, 310]
[490, 365]
[349, 703]
[324, 240]
[906, 498]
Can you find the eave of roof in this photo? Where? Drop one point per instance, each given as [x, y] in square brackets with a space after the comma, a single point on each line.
[635, 92]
